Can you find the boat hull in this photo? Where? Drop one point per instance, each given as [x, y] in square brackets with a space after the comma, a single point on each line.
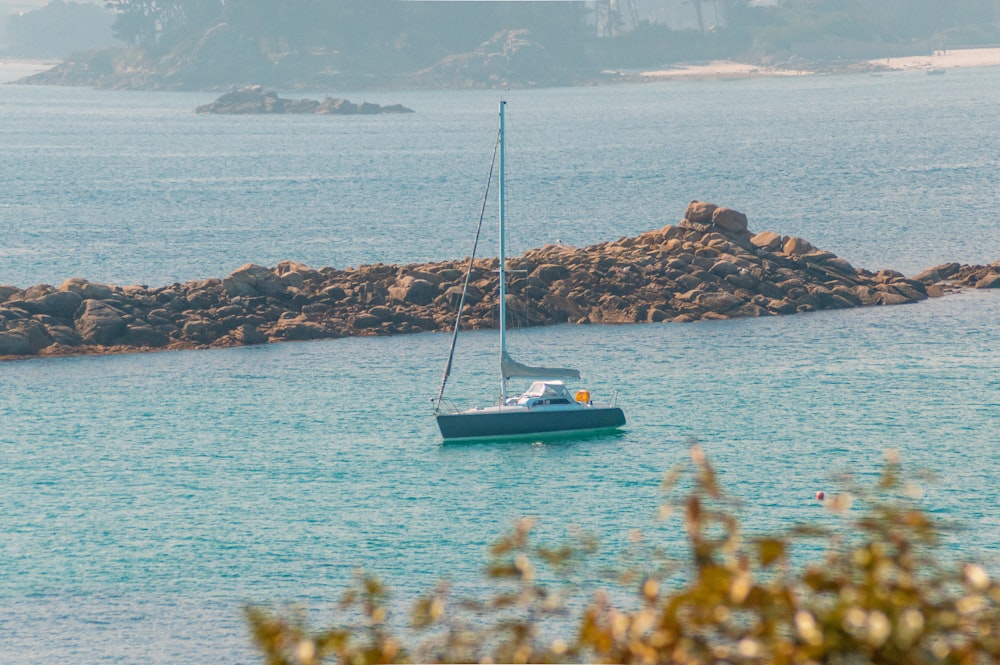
[510, 424]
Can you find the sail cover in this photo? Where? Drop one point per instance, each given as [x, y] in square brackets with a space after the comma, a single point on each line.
[511, 367]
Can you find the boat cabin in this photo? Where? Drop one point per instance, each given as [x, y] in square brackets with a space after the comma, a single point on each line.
[544, 393]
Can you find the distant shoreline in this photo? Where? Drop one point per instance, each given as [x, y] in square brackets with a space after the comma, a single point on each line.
[14, 69]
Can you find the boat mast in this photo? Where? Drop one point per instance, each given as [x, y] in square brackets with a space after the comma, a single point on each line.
[503, 261]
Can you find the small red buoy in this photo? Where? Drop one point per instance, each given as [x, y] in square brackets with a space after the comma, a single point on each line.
[820, 496]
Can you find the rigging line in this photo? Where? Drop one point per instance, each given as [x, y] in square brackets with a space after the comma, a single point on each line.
[468, 276]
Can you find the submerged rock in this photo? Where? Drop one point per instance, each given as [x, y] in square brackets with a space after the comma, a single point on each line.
[708, 266]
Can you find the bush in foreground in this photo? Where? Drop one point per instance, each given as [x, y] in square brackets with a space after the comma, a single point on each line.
[879, 595]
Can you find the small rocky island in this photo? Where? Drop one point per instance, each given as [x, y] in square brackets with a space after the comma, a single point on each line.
[255, 99]
[708, 266]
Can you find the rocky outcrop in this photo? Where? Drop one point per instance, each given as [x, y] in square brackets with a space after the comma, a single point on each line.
[509, 57]
[954, 275]
[708, 266]
[255, 99]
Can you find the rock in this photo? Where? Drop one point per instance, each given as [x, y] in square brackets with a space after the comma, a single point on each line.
[720, 302]
[818, 256]
[796, 246]
[294, 280]
[382, 313]
[15, 343]
[198, 331]
[7, 291]
[141, 335]
[248, 335]
[893, 298]
[699, 214]
[26, 337]
[60, 304]
[989, 281]
[412, 290]
[86, 290]
[886, 276]
[840, 265]
[64, 336]
[550, 272]
[298, 330]
[334, 293]
[938, 273]
[768, 240]
[253, 280]
[913, 291]
[366, 321]
[723, 268]
[99, 323]
[285, 267]
[38, 291]
[729, 220]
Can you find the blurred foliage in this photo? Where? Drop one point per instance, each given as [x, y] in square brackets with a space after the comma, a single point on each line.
[392, 34]
[879, 595]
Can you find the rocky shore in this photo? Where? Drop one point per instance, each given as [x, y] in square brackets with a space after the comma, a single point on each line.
[708, 266]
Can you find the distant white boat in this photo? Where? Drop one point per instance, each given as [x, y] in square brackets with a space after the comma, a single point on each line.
[547, 407]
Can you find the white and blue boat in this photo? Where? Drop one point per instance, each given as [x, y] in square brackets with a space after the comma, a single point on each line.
[547, 407]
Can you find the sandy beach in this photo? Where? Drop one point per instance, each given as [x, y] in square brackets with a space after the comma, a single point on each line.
[12, 69]
[718, 69]
[944, 59]
[722, 69]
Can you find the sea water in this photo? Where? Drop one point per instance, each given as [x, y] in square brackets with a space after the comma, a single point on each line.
[144, 499]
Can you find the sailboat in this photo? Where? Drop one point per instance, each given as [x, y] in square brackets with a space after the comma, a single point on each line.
[547, 407]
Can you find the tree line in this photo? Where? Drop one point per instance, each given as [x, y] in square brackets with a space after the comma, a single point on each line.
[343, 25]
[396, 32]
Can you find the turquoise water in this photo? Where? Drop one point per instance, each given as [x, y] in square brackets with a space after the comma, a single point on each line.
[145, 498]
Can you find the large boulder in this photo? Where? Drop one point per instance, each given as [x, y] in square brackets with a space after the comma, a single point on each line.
[298, 329]
[64, 336]
[60, 304]
[550, 272]
[86, 290]
[796, 246]
[252, 280]
[7, 291]
[767, 240]
[26, 338]
[144, 335]
[698, 216]
[718, 302]
[414, 291]
[100, 323]
[730, 221]
[938, 273]
[989, 281]
[248, 335]
[14, 343]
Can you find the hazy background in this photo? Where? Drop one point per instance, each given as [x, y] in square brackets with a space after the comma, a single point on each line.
[208, 44]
